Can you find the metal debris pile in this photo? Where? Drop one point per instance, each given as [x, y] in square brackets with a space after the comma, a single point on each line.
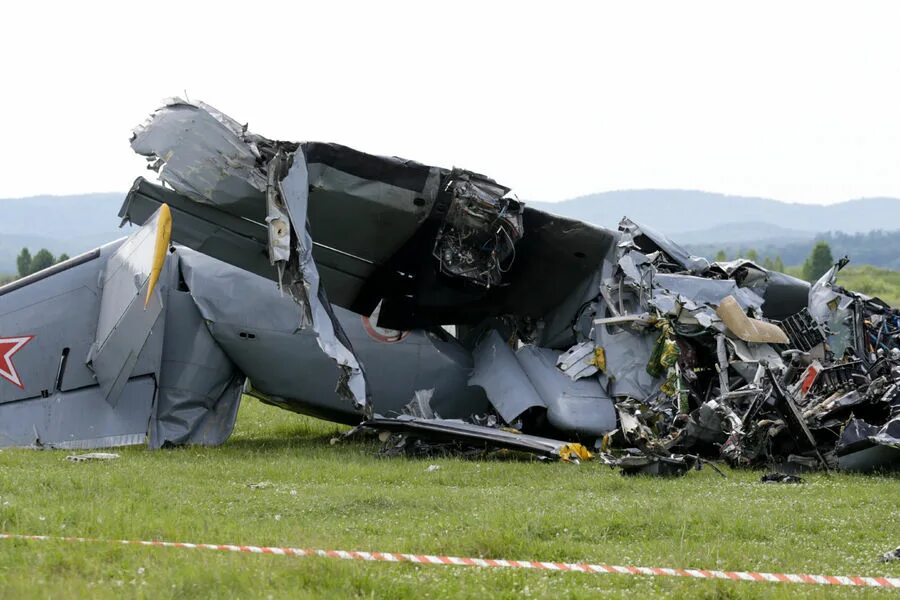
[695, 371]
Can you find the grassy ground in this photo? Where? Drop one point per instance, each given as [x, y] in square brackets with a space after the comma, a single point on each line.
[872, 281]
[314, 494]
[869, 280]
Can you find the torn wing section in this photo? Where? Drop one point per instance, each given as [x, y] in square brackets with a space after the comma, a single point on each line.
[211, 159]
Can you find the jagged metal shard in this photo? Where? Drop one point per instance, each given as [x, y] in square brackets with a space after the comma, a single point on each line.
[202, 153]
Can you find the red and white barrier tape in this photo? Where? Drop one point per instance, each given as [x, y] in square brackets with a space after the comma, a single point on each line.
[427, 559]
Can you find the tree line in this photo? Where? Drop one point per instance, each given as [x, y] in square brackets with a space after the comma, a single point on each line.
[820, 259]
[879, 248]
[26, 264]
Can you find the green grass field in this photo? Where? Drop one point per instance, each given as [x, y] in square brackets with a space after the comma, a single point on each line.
[869, 280]
[872, 281]
[314, 494]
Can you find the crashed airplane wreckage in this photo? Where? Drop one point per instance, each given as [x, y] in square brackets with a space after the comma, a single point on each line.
[431, 304]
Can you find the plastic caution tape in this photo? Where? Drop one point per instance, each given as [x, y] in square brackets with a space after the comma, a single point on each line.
[427, 559]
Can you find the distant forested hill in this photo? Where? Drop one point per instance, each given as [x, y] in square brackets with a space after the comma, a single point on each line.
[704, 222]
[683, 211]
[867, 230]
[879, 248]
[61, 224]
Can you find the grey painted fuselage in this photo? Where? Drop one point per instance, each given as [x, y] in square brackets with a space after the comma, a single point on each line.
[217, 325]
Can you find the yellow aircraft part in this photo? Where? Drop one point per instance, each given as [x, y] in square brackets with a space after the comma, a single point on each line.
[574, 451]
[599, 359]
[161, 249]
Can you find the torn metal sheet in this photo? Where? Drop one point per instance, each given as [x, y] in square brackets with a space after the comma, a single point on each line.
[483, 437]
[627, 353]
[278, 221]
[650, 240]
[701, 290]
[755, 353]
[889, 434]
[833, 310]
[579, 361]
[503, 378]
[581, 407]
[204, 154]
[528, 379]
[311, 296]
[420, 405]
[865, 447]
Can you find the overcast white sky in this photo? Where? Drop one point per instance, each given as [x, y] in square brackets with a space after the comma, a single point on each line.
[798, 101]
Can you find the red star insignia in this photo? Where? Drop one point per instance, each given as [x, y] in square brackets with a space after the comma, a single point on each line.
[8, 347]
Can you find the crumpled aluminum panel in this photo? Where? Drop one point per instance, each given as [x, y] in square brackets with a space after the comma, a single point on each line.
[202, 154]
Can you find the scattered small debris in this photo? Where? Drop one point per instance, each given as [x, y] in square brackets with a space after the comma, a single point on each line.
[432, 468]
[92, 456]
[260, 486]
[891, 555]
[780, 478]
